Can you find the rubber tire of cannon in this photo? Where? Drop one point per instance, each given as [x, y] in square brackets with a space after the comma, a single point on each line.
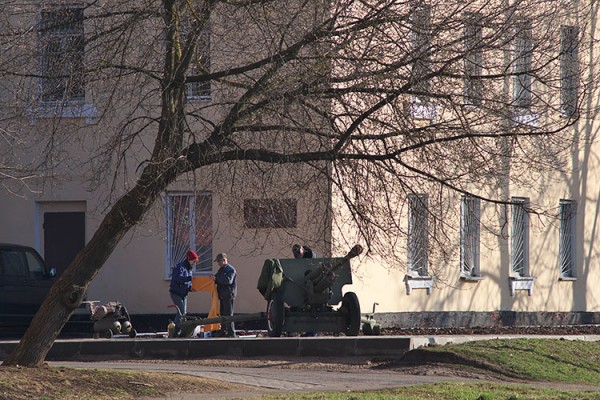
[367, 329]
[275, 315]
[352, 306]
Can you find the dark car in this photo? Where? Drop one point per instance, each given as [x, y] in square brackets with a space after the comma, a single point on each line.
[25, 281]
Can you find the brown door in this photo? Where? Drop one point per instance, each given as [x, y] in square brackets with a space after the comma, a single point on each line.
[64, 237]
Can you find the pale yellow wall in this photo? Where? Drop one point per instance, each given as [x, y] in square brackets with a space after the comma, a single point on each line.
[375, 280]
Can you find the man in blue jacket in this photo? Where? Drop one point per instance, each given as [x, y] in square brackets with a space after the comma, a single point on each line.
[226, 281]
[181, 284]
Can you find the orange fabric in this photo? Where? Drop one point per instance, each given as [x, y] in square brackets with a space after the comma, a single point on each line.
[206, 284]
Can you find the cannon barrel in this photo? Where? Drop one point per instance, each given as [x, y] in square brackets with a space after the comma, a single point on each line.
[222, 320]
[355, 251]
[318, 281]
[190, 323]
[324, 272]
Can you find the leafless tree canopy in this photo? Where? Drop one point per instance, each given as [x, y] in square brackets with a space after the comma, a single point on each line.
[375, 99]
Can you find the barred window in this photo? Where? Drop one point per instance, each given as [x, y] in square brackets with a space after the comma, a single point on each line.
[523, 63]
[567, 238]
[200, 66]
[470, 215]
[569, 69]
[418, 242]
[473, 87]
[189, 226]
[421, 42]
[61, 39]
[519, 240]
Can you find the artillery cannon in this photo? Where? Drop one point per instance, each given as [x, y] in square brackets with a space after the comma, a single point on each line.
[302, 296]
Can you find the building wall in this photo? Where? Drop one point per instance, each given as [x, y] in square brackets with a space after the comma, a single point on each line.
[135, 273]
[379, 281]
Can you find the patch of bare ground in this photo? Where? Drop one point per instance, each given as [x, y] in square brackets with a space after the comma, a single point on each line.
[559, 330]
[19, 383]
[420, 362]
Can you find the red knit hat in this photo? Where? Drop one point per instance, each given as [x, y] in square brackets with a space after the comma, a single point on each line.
[192, 256]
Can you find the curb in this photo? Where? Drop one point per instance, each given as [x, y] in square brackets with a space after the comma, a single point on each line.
[124, 349]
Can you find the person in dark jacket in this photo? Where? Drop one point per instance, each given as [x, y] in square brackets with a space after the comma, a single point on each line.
[181, 284]
[303, 252]
[226, 281]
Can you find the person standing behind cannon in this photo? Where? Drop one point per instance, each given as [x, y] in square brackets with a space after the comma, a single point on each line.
[226, 281]
[181, 284]
[303, 252]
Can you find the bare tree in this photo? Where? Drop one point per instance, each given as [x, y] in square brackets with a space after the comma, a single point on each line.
[372, 100]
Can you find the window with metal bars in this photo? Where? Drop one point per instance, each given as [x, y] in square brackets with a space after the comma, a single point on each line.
[469, 237]
[523, 50]
[569, 69]
[567, 238]
[519, 240]
[61, 41]
[473, 87]
[189, 226]
[418, 241]
[200, 65]
[421, 42]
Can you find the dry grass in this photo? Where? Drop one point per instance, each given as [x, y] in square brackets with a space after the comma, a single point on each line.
[18, 383]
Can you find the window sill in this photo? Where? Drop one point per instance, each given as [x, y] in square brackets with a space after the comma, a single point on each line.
[470, 278]
[567, 278]
[527, 118]
[569, 114]
[196, 99]
[521, 283]
[418, 282]
[51, 110]
[422, 109]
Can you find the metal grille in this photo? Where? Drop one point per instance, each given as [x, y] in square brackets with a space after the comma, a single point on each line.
[200, 65]
[189, 226]
[523, 58]
[418, 243]
[469, 236]
[566, 248]
[61, 38]
[569, 69]
[473, 61]
[421, 42]
[519, 245]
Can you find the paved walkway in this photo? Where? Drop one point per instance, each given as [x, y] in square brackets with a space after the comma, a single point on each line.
[276, 379]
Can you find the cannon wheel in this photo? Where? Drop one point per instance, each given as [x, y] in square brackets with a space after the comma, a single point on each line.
[351, 305]
[275, 315]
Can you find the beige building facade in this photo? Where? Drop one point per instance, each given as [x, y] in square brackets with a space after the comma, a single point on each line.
[500, 257]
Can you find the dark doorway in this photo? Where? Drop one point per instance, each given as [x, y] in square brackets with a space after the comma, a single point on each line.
[64, 237]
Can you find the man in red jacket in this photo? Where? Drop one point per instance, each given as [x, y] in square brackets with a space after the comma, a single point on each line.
[181, 284]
